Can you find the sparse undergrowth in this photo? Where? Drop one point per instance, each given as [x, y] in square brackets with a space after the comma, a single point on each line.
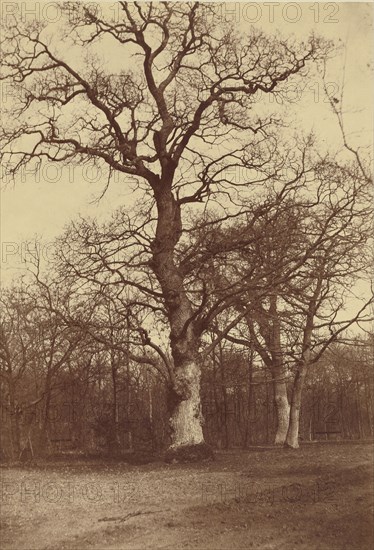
[317, 497]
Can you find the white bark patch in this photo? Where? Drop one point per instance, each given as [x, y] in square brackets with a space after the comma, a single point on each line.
[186, 419]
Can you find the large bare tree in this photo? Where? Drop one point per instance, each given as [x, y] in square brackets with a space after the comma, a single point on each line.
[176, 121]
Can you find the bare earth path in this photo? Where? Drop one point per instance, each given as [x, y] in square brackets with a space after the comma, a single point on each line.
[318, 497]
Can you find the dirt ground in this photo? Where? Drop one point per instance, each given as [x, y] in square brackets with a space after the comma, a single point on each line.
[319, 497]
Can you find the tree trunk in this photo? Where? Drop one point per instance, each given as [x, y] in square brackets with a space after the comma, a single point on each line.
[283, 411]
[270, 329]
[186, 420]
[113, 437]
[292, 439]
[358, 410]
[248, 428]
[267, 406]
[368, 402]
[282, 406]
[44, 435]
[224, 394]
[128, 388]
[14, 421]
[184, 395]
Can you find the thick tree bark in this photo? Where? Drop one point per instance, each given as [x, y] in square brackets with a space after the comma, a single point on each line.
[186, 418]
[184, 395]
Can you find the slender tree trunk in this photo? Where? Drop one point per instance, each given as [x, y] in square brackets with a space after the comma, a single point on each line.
[44, 436]
[14, 421]
[282, 408]
[369, 407]
[224, 394]
[270, 329]
[217, 405]
[341, 409]
[248, 428]
[113, 439]
[292, 439]
[313, 415]
[150, 411]
[267, 406]
[184, 395]
[358, 410]
[128, 379]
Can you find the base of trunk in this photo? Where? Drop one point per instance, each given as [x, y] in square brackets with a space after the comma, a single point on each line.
[291, 445]
[189, 453]
[280, 439]
[292, 439]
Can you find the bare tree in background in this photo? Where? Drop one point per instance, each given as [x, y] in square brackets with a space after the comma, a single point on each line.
[298, 265]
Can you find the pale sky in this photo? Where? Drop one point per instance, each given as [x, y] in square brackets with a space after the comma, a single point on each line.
[41, 206]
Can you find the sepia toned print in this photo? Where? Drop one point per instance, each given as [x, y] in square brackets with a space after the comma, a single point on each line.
[186, 326]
